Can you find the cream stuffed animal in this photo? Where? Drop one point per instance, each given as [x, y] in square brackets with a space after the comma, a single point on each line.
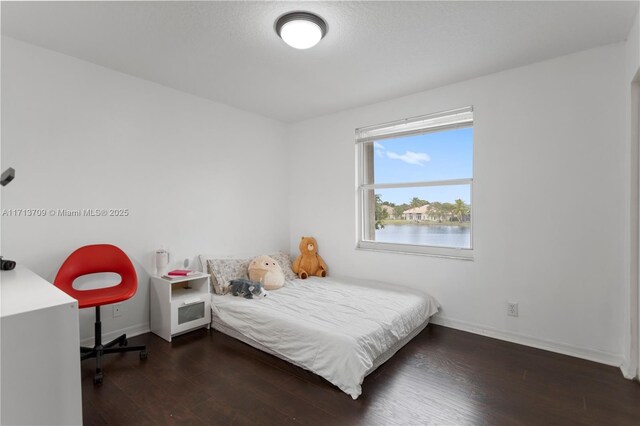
[266, 271]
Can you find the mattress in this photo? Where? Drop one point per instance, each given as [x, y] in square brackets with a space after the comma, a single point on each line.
[340, 329]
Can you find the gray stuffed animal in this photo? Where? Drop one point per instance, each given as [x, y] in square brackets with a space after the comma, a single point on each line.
[246, 288]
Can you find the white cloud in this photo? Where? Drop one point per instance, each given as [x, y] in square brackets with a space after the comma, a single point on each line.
[410, 157]
[379, 149]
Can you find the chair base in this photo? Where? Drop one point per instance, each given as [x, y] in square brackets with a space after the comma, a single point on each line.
[99, 350]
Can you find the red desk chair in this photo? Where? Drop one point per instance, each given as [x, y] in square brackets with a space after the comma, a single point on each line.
[91, 260]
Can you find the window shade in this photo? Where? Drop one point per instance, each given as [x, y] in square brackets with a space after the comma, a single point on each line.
[461, 117]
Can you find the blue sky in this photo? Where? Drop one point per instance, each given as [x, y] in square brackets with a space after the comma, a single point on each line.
[432, 156]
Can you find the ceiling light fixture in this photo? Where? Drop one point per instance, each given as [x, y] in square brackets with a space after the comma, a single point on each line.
[301, 30]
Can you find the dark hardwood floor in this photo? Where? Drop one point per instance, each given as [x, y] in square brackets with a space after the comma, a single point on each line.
[443, 376]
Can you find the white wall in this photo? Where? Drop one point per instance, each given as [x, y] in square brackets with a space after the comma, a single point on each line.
[549, 203]
[632, 48]
[197, 176]
[632, 92]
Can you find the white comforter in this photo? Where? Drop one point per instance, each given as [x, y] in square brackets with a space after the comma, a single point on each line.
[327, 326]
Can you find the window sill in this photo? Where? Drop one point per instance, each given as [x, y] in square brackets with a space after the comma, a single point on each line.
[416, 250]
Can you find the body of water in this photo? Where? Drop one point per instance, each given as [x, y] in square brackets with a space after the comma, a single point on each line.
[428, 235]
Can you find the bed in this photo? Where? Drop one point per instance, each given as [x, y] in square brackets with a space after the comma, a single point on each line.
[341, 329]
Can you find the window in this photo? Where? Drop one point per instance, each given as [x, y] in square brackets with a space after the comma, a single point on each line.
[415, 184]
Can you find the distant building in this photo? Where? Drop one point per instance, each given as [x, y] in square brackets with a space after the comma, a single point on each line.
[417, 213]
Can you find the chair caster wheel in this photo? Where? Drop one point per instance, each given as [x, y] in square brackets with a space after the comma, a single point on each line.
[97, 379]
[144, 354]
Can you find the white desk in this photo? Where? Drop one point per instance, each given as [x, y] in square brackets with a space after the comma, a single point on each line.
[40, 352]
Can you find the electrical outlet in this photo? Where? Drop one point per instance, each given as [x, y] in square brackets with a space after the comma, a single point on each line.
[117, 310]
[512, 309]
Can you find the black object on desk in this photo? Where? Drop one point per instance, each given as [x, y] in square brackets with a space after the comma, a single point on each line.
[7, 265]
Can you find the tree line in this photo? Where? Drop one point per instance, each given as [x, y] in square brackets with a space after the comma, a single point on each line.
[458, 211]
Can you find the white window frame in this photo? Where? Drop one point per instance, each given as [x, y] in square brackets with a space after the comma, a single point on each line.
[446, 120]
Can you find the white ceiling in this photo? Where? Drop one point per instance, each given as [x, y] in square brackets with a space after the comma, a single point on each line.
[229, 52]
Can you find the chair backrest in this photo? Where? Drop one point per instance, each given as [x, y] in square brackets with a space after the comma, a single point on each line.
[95, 259]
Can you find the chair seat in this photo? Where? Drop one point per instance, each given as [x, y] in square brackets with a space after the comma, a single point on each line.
[95, 259]
[99, 297]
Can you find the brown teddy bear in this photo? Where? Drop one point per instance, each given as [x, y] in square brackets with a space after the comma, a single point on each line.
[309, 262]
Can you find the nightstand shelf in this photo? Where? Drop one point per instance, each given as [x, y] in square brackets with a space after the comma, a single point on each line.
[179, 305]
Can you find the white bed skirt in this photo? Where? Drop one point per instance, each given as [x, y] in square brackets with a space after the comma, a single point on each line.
[217, 323]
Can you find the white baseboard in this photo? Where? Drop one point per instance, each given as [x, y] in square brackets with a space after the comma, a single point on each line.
[629, 371]
[134, 330]
[521, 339]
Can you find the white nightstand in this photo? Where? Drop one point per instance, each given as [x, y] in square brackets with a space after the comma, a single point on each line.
[179, 305]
